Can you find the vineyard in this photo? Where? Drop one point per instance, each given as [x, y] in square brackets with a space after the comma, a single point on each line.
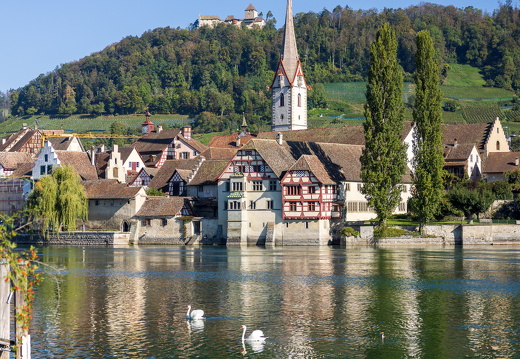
[84, 124]
[481, 113]
[513, 115]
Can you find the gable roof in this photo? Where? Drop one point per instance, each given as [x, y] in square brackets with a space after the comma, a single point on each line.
[229, 141]
[109, 189]
[126, 152]
[214, 153]
[155, 141]
[277, 157]
[500, 162]
[458, 152]
[23, 170]
[80, 162]
[161, 178]
[162, 206]
[208, 172]
[312, 164]
[11, 160]
[466, 133]
[352, 135]
[62, 142]
[15, 141]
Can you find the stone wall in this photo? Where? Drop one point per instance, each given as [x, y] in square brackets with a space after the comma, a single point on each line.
[77, 238]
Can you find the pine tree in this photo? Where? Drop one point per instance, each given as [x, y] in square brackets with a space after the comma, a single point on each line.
[383, 162]
[428, 154]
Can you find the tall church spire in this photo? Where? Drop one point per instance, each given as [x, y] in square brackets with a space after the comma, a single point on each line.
[289, 50]
[289, 102]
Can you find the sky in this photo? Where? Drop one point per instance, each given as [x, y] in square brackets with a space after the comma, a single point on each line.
[37, 36]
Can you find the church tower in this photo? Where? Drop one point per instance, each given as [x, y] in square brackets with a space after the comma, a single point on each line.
[289, 86]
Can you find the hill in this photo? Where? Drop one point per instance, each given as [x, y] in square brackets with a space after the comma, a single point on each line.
[225, 70]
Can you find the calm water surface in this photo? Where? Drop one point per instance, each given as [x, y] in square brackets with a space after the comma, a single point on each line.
[312, 302]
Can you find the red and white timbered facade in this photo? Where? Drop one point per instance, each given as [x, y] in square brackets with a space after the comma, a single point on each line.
[304, 197]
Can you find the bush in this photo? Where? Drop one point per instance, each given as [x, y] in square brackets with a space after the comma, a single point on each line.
[349, 232]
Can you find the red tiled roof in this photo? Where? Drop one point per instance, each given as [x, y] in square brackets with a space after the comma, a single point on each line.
[500, 162]
[160, 181]
[229, 141]
[11, 160]
[208, 172]
[161, 207]
[109, 189]
[80, 162]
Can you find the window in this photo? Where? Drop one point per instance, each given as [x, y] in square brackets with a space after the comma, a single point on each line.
[49, 169]
[293, 206]
[46, 158]
[227, 186]
[115, 161]
[257, 185]
[252, 205]
[282, 100]
[402, 206]
[147, 222]
[42, 170]
[299, 100]
[312, 189]
[195, 153]
[306, 224]
[347, 187]
[234, 205]
[164, 222]
[185, 155]
[97, 202]
[200, 188]
[471, 158]
[137, 165]
[270, 204]
[404, 188]
[129, 164]
[359, 187]
[498, 145]
[312, 206]
[249, 153]
[272, 186]
[293, 190]
[237, 186]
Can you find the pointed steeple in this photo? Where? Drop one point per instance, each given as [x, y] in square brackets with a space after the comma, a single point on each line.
[289, 51]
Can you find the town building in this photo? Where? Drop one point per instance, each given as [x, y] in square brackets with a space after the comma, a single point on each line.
[289, 98]
[251, 19]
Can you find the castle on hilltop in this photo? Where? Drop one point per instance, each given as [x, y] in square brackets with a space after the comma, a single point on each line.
[250, 19]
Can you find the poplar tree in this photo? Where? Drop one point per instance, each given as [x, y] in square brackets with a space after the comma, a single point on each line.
[428, 160]
[383, 162]
[58, 200]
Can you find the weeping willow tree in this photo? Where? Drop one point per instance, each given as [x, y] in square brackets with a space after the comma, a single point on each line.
[58, 201]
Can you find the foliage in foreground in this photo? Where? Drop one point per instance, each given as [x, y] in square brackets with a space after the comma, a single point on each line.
[22, 274]
[58, 200]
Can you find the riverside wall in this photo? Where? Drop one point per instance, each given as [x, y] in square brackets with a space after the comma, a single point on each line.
[76, 238]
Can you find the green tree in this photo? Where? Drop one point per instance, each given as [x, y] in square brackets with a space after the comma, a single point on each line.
[58, 200]
[427, 147]
[318, 97]
[471, 200]
[383, 161]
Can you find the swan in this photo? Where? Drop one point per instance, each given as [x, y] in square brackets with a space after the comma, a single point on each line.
[195, 314]
[256, 336]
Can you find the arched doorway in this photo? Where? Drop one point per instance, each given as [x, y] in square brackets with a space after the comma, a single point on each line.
[126, 226]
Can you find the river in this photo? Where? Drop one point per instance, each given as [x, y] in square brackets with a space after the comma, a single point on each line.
[311, 302]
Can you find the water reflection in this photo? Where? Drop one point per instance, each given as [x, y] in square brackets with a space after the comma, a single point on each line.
[311, 302]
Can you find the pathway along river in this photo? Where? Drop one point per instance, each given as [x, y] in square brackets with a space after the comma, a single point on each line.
[312, 302]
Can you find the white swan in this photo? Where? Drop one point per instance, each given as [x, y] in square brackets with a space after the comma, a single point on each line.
[256, 336]
[195, 314]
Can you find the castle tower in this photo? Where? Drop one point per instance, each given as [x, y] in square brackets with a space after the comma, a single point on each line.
[289, 86]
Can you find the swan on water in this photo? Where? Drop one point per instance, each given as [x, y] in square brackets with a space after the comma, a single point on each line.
[256, 336]
[194, 314]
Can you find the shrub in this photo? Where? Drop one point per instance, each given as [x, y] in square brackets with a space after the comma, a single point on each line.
[349, 232]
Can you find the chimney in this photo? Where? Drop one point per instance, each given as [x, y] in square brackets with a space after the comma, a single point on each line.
[24, 126]
[116, 148]
[186, 132]
[516, 161]
[92, 156]
[455, 142]
[279, 138]
[237, 141]
[159, 129]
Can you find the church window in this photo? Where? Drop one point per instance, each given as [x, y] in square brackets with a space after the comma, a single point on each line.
[281, 117]
[299, 100]
[282, 100]
[498, 145]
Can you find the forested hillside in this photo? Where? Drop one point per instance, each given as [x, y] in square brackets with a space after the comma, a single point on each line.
[226, 70]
